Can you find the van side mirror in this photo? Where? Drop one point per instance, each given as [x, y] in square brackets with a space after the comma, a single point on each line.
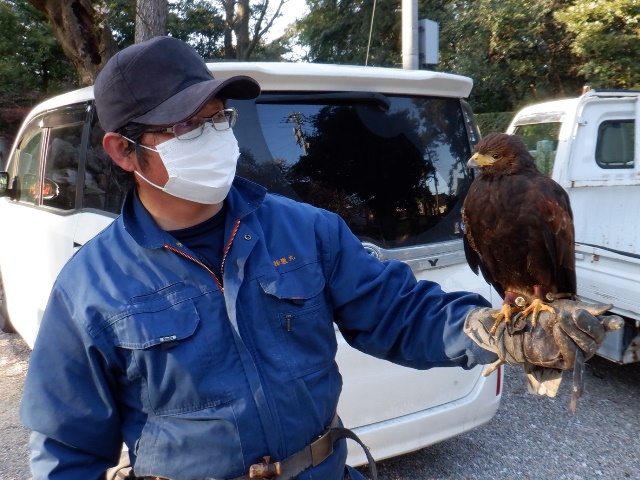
[4, 184]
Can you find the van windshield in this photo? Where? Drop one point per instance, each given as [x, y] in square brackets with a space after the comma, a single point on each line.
[392, 166]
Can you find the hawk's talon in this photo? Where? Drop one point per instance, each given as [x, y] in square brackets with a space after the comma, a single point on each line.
[534, 308]
[504, 315]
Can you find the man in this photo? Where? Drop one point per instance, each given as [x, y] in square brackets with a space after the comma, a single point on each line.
[175, 331]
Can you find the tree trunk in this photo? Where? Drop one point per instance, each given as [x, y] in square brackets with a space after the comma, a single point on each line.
[242, 30]
[229, 26]
[83, 33]
[237, 21]
[151, 19]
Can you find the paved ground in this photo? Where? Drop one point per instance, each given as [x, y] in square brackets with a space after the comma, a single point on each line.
[530, 438]
[14, 457]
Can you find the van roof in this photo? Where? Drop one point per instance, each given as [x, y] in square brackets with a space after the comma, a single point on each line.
[307, 77]
[325, 77]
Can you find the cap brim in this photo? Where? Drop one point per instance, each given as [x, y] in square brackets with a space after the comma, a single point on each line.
[192, 99]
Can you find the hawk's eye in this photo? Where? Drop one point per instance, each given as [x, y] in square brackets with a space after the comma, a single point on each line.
[496, 156]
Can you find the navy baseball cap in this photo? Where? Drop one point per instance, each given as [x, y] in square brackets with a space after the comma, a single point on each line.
[162, 81]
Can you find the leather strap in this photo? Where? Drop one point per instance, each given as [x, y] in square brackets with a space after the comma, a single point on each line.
[316, 453]
[310, 456]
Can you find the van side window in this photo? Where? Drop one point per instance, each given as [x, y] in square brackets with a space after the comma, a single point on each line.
[61, 168]
[101, 189]
[25, 167]
[615, 144]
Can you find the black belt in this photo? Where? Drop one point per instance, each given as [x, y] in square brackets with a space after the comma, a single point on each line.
[310, 456]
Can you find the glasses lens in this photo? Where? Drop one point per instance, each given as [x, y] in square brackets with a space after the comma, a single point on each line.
[224, 119]
[189, 129]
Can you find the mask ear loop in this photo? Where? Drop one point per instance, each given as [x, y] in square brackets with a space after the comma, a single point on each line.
[148, 181]
[136, 171]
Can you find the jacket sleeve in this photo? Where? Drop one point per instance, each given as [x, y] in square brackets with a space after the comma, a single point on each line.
[381, 309]
[67, 402]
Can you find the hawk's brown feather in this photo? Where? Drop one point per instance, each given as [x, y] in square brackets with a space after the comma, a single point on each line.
[518, 224]
[518, 232]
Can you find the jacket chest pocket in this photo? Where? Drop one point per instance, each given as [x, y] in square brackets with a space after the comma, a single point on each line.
[161, 336]
[301, 317]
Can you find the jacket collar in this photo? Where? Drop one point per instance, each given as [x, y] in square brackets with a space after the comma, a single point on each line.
[244, 198]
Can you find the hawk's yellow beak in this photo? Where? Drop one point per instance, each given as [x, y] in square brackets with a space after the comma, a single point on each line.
[479, 161]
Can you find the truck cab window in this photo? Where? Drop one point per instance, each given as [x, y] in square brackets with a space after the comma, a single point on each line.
[542, 142]
[615, 145]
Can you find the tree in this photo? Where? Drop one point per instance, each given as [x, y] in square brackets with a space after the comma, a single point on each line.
[238, 22]
[151, 19]
[83, 27]
[607, 40]
[83, 33]
[32, 63]
[514, 50]
[199, 23]
[337, 31]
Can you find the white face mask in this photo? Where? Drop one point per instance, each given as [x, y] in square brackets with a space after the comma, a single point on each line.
[201, 169]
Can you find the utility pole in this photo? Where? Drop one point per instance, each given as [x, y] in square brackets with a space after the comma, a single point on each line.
[410, 52]
[420, 38]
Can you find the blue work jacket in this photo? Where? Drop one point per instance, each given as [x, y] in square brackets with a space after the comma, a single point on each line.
[140, 344]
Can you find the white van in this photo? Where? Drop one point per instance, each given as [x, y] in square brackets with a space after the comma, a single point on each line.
[384, 148]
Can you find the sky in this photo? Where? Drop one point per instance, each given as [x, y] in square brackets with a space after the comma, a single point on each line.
[291, 11]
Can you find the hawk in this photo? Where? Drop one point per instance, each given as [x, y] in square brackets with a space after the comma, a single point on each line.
[518, 232]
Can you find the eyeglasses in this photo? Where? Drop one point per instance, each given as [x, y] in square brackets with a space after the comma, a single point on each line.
[193, 127]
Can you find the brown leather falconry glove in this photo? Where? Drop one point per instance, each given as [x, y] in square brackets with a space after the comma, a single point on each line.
[577, 328]
[560, 341]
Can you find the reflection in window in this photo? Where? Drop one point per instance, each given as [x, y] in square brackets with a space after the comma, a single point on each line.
[396, 176]
[61, 169]
[101, 190]
[27, 163]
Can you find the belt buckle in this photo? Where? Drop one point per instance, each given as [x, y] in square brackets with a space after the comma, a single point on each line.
[265, 469]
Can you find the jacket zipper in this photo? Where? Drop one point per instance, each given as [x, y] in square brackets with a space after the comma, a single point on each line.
[234, 231]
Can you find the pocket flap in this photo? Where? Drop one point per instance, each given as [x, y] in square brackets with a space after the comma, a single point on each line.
[302, 283]
[144, 329]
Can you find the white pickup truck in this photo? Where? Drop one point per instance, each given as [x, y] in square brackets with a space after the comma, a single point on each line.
[591, 146]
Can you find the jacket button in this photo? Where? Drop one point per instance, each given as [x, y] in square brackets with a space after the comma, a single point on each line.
[247, 237]
[178, 244]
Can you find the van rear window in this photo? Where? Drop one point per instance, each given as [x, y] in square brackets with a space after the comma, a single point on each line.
[394, 167]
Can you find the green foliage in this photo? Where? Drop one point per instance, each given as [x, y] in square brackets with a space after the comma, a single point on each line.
[121, 18]
[607, 40]
[337, 31]
[514, 50]
[200, 23]
[32, 64]
[493, 122]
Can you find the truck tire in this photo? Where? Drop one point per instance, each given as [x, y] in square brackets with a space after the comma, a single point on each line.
[5, 323]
